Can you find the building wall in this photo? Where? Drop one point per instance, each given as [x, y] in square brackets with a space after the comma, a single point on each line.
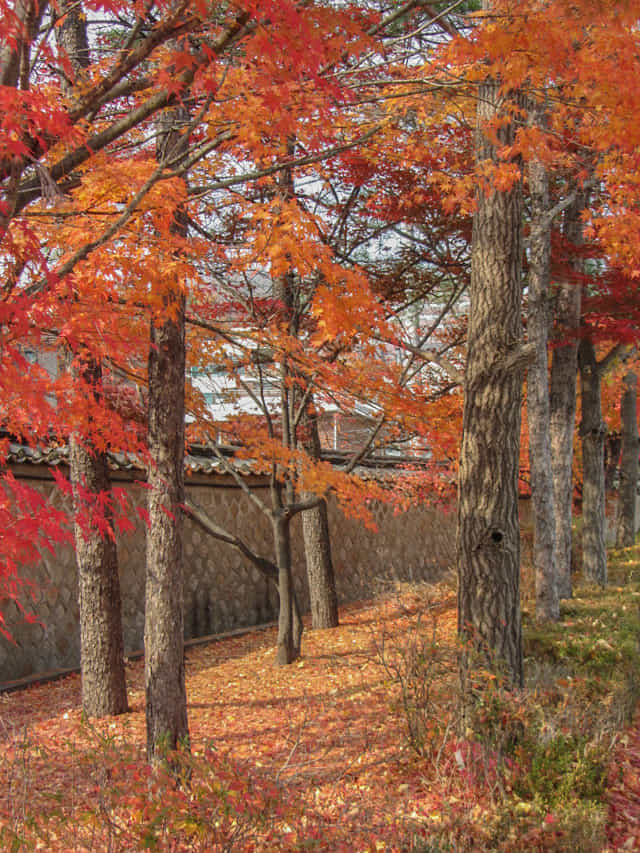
[222, 591]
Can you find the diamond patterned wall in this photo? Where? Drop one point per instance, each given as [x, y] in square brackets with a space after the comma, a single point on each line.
[222, 589]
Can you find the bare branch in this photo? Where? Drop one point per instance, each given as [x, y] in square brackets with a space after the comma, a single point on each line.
[359, 456]
[266, 567]
[234, 180]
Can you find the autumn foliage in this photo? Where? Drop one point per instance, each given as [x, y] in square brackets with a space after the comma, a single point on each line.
[296, 183]
[87, 227]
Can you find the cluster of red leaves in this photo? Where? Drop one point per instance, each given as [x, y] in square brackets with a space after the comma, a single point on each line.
[624, 793]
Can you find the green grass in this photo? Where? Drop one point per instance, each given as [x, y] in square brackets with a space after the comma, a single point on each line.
[583, 680]
[542, 755]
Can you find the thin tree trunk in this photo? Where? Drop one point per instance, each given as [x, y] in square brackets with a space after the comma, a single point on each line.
[104, 688]
[286, 648]
[592, 433]
[488, 540]
[562, 397]
[317, 544]
[544, 547]
[290, 625]
[562, 401]
[297, 623]
[626, 533]
[166, 700]
[266, 567]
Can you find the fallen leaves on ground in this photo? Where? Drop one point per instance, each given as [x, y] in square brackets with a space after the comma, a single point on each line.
[310, 756]
[624, 792]
[321, 735]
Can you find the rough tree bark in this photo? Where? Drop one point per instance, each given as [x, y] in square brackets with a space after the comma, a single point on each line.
[290, 624]
[562, 402]
[166, 703]
[71, 34]
[289, 634]
[317, 543]
[612, 451]
[592, 434]
[166, 700]
[320, 573]
[488, 539]
[626, 533]
[538, 413]
[104, 688]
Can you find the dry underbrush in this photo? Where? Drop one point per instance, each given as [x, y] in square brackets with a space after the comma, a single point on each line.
[534, 763]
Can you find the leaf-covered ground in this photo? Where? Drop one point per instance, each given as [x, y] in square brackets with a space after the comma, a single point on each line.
[311, 756]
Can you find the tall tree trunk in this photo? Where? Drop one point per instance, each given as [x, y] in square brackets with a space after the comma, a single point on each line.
[488, 540]
[544, 539]
[320, 573]
[562, 401]
[104, 688]
[626, 533]
[282, 495]
[317, 544]
[166, 700]
[592, 434]
[290, 626]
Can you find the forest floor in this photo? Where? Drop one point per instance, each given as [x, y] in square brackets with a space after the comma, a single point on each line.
[354, 747]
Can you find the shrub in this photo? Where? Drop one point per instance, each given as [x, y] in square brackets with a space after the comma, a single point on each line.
[422, 668]
[194, 802]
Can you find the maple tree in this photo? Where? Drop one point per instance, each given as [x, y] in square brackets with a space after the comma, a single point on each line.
[285, 329]
[305, 329]
[164, 231]
[95, 190]
[145, 191]
[58, 164]
[99, 605]
[141, 34]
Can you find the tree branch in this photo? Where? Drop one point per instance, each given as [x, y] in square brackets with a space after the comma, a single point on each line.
[289, 510]
[606, 361]
[266, 567]
[288, 164]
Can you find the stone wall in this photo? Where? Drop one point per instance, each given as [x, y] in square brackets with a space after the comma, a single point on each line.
[222, 590]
